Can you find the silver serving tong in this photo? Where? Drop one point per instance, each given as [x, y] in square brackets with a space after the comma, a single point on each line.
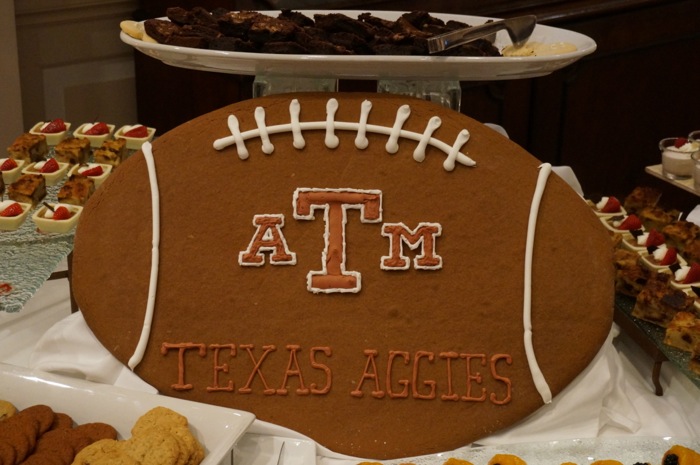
[519, 29]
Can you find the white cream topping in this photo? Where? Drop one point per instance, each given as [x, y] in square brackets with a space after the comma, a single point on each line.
[537, 376]
[155, 258]
[330, 126]
[681, 273]
[603, 201]
[660, 252]
[296, 127]
[642, 238]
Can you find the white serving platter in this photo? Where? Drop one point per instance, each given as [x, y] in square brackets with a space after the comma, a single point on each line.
[216, 428]
[379, 66]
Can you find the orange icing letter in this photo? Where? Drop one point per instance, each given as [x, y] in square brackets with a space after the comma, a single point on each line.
[293, 370]
[219, 368]
[314, 364]
[494, 360]
[424, 236]
[431, 395]
[268, 238]
[449, 356]
[370, 366]
[335, 203]
[476, 377]
[403, 382]
[256, 369]
[182, 348]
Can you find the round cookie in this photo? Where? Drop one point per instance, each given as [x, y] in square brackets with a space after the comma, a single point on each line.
[346, 277]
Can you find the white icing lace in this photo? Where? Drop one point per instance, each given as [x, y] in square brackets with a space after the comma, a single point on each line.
[330, 126]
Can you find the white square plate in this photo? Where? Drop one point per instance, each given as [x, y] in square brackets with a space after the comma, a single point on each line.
[216, 428]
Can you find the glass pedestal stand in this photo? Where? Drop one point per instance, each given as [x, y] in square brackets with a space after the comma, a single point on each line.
[446, 93]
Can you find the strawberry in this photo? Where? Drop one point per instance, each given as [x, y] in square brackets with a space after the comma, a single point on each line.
[630, 223]
[8, 165]
[51, 166]
[61, 213]
[655, 238]
[14, 209]
[670, 257]
[611, 206]
[94, 171]
[138, 131]
[693, 275]
[680, 142]
[54, 126]
[97, 129]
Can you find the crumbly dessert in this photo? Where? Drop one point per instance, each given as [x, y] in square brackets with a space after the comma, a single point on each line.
[329, 283]
[291, 32]
[29, 147]
[111, 152]
[29, 188]
[641, 197]
[73, 150]
[630, 275]
[658, 302]
[683, 331]
[657, 217]
[76, 190]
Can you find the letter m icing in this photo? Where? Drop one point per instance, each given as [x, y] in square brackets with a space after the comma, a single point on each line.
[424, 236]
[333, 277]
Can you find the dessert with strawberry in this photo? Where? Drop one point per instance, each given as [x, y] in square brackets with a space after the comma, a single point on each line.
[11, 169]
[686, 276]
[662, 257]
[96, 132]
[676, 153]
[98, 172]
[135, 135]
[641, 240]
[622, 224]
[13, 214]
[57, 218]
[51, 169]
[54, 131]
[608, 206]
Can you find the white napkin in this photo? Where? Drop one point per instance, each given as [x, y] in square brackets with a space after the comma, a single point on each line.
[694, 215]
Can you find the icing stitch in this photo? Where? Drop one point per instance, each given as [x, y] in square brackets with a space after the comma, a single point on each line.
[155, 258]
[331, 139]
[537, 376]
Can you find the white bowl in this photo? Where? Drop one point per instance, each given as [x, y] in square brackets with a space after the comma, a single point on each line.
[12, 175]
[134, 143]
[50, 178]
[52, 138]
[11, 223]
[106, 170]
[49, 225]
[95, 140]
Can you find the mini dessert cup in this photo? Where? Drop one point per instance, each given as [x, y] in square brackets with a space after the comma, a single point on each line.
[676, 157]
[43, 218]
[95, 140]
[52, 138]
[652, 263]
[98, 179]
[598, 208]
[50, 178]
[10, 176]
[134, 143]
[11, 223]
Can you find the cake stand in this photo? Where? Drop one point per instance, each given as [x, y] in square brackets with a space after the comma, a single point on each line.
[429, 77]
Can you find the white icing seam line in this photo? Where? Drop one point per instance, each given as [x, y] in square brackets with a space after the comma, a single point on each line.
[155, 259]
[395, 133]
[537, 377]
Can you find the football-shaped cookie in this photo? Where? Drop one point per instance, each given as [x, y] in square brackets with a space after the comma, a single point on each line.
[386, 276]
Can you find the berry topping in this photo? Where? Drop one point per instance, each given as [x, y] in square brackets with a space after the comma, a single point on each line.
[693, 275]
[680, 142]
[670, 257]
[5, 288]
[8, 165]
[51, 166]
[138, 131]
[14, 209]
[611, 206]
[54, 126]
[94, 171]
[97, 129]
[630, 223]
[655, 238]
[61, 213]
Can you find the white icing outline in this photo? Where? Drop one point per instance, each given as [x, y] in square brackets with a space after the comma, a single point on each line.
[326, 235]
[537, 376]
[332, 141]
[155, 258]
[278, 227]
[413, 246]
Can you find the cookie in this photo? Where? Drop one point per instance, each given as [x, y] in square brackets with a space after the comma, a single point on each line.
[6, 410]
[62, 420]
[104, 451]
[153, 446]
[176, 424]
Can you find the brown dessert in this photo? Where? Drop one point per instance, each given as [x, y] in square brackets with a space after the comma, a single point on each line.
[76, 190]
[29, 188]
[683, 331]
[112, 152]
[29, 147]
[73, 150]
[658, 302]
